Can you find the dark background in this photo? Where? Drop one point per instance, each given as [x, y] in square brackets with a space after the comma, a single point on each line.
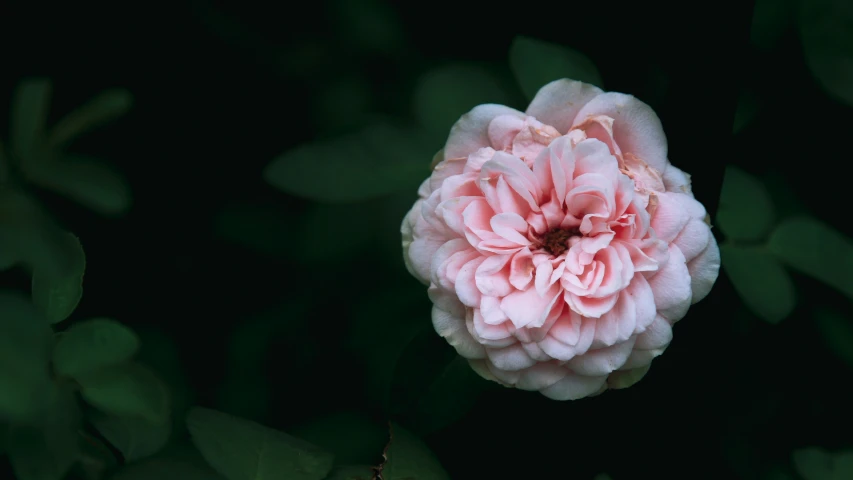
[222, 88]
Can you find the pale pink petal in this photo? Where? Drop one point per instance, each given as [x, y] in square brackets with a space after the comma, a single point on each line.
[452, 328]
[554, 168]
[602, 361]
[671, 285]
[570, 335]
[534, 351]
[693, 239]
[704, 270]
[446, 300]
[466, 285]
[492, 276]
[516, 173]
[481, 368]
[636, 127]
[641, 358]
[471, 131]
[444, 170]
[489, 335]
[574, 387]
[528, 307]
[510, 226]
[626, 378]
[442, 258]
[503, 129]
[657, 335]
[476, 160]
[490, 308]
[451, 211]
[612, 280]
[676, 180]
[521, 269]
[593, 156]
[541, 375]
[511, 358]
[558, 103]
[670, 217]
[590, 307]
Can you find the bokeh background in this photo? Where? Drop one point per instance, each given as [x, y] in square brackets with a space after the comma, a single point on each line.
[239, 206]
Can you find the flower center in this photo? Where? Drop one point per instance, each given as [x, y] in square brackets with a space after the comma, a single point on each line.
[556, 241]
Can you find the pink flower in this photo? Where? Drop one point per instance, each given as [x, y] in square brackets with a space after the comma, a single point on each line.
[560, 245]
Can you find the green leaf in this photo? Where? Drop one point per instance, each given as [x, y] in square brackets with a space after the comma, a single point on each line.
[445, 94]
[814, 463]
[837, 332]
[824, 27]
[25, 230]
[102, 109]
[244, 450]
[761, 281]
[408, 458]
[25, 342]
[352, 438]
[48, 450]
[369, 25]
[376, 161]
[30, 105]
[747, 110]
[817, 250]
[135, 437]
[536, 63]
[129, 389]
[770, 19]
[451, 395]
[352, 472]
[176, 462]
[57, 285]
[314, 236]
[602, 476]
[91, 345]
[746, 212]
[87, 181]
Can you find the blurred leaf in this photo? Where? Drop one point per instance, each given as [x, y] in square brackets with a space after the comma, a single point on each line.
[407, 457]
[786, 204]
[815, 249]
[837, 332]
[135, 437]
[343, 103]
[57, 286]
[25, 342]
[100, 110]
[352, 472]
[178, 462]
[383, 326]
[760, 280]
[48, 450]
[443, 95]
[26, 231]
[160, 352]
[369, 25]
[315, 236]
[770, 19]
[350, 437]
[30, 106]
[536, 63]
[777, 473]
[378, 160]
[244, 450]
[129, 389]
[814, 463]
[451, 395]
[747, 110]
[828, 45]
[91, 345]
[96, 456]
[602, 476]
[87, 181]
[746, 211]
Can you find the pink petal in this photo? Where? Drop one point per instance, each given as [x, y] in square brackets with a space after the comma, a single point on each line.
[593, 156]
[558, 103]
[442, 257]
[590, 307]
[511, 358]
[497, 336]
[612, 280]
[476, 160]
[446, 300]
[492, 276]
[510, 226]
[528, 307]
[516, 173]
[470, 132]
[670, 217]
[521, 269]
[602, 361]
[444, 170]
[452, 328]
[693, 239]
[490, 308]
[657, 335]
[671, 286]
[574, 387]
[554, 168]
[533, 350]
[466, 287]
[503, 129]
[636, 127]
[451, 211]
[704, 270]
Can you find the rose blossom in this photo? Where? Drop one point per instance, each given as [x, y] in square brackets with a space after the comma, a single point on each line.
[559, 244]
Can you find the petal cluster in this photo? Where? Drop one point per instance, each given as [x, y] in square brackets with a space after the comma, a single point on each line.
[559, 244]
